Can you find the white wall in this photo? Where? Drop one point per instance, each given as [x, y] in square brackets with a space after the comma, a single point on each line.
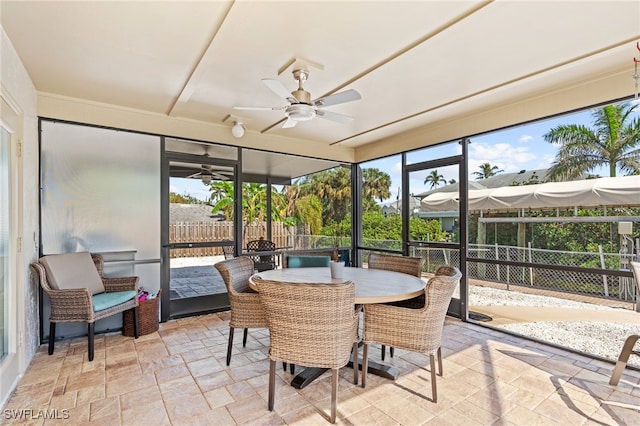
[18, 89]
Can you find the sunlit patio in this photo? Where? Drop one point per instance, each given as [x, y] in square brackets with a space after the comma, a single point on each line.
[178, 376]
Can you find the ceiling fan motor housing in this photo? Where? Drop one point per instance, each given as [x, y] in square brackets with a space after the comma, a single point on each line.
[300, 112]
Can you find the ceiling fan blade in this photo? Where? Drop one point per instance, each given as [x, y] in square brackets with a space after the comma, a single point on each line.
[278, 88]
[258, 108]
[337, 98]
[289, 123]
[334, 116]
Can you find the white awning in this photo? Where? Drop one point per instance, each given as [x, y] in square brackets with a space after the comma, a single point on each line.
[617, 191]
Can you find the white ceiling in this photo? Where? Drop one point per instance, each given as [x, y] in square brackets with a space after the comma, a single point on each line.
[420, 66]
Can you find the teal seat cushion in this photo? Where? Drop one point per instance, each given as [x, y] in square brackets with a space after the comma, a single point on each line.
[308, 261]
[104, 301]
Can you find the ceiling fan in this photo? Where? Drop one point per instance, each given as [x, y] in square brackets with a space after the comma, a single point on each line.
[301, 107]
[208, 173]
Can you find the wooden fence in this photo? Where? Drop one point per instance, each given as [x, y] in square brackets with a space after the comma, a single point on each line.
[200, 232]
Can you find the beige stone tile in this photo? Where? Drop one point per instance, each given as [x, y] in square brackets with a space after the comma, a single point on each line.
[138, 400]
[150, 412]
[241, 390]
[108, 408]
[204, 366]
[197, 355]
[187, 409]
[128, 384]
[213, 381]
[85, 380]
[218, 397]
[90, 394]
[171, 373]
[452, 418]
[64, 402]
[248, 409]
[179, 389]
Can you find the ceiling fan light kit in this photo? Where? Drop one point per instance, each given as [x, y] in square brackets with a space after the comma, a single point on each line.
[300, 112]
[301, 107]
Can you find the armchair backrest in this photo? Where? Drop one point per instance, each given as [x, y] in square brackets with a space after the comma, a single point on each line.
[311, 324]
[235, 272]
[439, 290]
[261, 245]
[72, 271]
[404, 264]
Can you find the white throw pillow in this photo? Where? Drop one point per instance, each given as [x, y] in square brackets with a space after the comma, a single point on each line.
[72, 270]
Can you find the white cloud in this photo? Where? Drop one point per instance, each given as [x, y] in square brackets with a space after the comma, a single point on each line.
[525, 138]
[505, 156]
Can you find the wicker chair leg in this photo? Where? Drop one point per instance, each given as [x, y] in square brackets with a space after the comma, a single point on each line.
[90, 330]
[334, 394]
[292, 368]
[365, 363]
[136, 331]
[440, 361]
[434, 390]
[627, 350]
[52, 336]
[272, 383]
[354, 352]
[229, 345]
[391, 351]
[383, 351]
[244, 337]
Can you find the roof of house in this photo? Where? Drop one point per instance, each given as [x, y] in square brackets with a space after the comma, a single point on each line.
[191, 213]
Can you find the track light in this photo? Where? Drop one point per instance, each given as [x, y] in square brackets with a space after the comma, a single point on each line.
[238, 129]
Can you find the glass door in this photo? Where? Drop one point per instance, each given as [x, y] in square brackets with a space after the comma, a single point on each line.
[6, 288]
[437, 231]
[200, 232]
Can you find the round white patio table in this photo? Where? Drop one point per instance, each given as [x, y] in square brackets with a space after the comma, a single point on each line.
[372, 286]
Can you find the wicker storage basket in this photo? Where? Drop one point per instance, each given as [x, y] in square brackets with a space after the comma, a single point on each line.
[147, 318]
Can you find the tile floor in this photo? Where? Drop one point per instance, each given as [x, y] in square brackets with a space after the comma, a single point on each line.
[178, 376]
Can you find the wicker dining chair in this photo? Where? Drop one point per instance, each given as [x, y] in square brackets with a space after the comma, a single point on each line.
[418, 330]
[246, 309]
[228, 249]
[262, 262]
[406, 265]
[79, 292]
[311, 324]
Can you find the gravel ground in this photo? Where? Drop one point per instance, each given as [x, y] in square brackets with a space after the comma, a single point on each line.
[604, 339]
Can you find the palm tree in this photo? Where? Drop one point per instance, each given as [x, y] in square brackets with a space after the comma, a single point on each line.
[434, 179]
[375, 186]
[486, 171]
[613, 142]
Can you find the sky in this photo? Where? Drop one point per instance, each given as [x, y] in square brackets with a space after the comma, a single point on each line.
[511, 150]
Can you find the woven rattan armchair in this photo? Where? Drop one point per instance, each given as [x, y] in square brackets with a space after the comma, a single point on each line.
[62, 279]
[406, 265]
[314, 325]
[246, 309]
[418, 330]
